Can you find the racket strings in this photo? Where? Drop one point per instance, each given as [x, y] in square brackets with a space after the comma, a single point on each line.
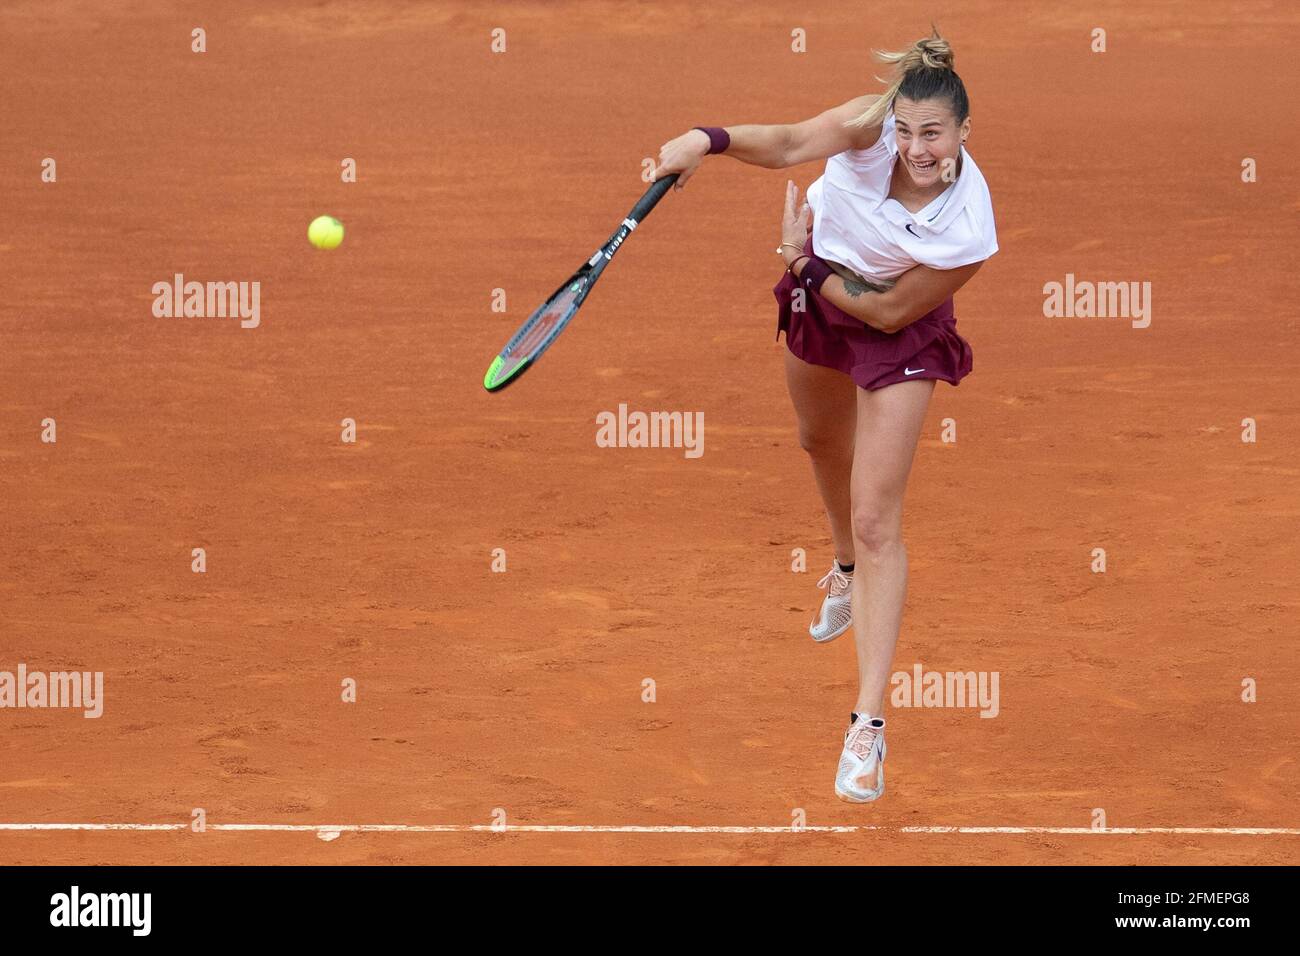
[545, 324]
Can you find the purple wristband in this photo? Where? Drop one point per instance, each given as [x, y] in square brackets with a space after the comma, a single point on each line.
[815, 273]
[719, 138]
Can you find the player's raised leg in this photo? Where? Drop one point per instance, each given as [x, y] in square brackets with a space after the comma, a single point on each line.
[826, 408]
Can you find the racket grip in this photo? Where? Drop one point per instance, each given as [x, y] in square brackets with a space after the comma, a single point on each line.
[651, 197]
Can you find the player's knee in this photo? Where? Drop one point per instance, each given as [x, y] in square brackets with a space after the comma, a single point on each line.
[876, 527]
[822, 444]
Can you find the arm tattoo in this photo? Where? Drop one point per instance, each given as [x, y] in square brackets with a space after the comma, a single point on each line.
[855, 288]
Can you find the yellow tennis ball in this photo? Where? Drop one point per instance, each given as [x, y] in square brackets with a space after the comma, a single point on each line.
[325, 232]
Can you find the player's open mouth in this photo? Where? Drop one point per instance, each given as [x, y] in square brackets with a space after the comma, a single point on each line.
[922, 167]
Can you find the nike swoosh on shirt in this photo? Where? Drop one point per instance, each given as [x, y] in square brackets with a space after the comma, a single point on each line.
[912, 371]
[908, 227]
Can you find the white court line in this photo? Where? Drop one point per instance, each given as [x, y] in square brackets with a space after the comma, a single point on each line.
[537, 828]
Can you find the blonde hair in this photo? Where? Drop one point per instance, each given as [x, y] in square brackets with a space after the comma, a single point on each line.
[923, 71]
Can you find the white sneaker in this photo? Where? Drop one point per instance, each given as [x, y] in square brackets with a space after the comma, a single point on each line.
[862, 762]
[836, 614]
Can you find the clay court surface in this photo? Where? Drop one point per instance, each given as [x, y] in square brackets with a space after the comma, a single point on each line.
[522, 691]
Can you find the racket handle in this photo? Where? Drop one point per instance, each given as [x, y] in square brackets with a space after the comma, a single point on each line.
[651, 197]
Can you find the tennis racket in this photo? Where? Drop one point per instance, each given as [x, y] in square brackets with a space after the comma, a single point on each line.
[552, 316]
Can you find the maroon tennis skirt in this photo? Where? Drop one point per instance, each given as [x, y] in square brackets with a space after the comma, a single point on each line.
[822, 334]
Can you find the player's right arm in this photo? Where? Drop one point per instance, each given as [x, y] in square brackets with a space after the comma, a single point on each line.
[774, 146]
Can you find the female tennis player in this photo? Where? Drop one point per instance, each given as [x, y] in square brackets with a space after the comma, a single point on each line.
[898, 222]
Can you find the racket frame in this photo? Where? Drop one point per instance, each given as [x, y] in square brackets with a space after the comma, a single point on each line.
[587, 274]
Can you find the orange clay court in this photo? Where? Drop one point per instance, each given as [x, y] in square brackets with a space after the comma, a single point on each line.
[372, 561]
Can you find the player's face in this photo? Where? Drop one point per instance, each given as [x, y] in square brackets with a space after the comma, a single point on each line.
[929, 140]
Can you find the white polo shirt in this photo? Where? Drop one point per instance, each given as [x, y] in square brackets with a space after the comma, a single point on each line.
[857, 225]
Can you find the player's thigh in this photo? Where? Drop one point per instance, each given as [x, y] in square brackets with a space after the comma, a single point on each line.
[889, 423]
[825, 403]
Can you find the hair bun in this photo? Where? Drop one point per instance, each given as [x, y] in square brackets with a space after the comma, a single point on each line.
[934, 52]
[923, 71]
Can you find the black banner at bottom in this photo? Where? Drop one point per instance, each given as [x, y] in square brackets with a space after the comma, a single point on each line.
[332, 905]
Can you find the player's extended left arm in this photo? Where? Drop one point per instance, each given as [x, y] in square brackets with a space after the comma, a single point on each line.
[918, 291]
